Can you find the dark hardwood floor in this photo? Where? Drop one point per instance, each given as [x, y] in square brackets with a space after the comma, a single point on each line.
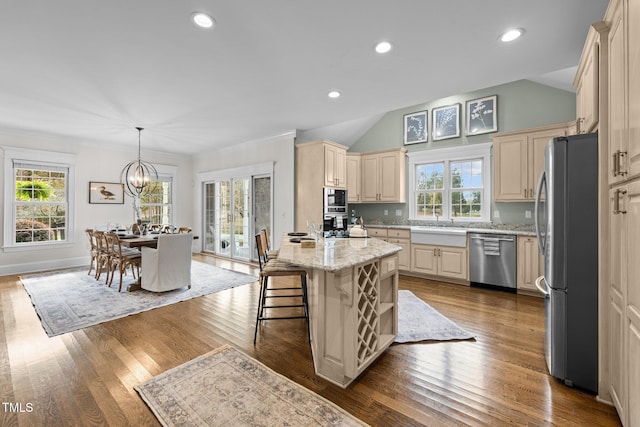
[86, 377]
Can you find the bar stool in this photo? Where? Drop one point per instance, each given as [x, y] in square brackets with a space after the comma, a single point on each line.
[275, 268]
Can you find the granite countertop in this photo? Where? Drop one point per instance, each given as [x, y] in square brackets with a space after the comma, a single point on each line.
[489, 228]
[333, 254]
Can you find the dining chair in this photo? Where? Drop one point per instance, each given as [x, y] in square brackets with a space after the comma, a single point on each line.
[168, 266]
[93, 250]
[184, 230]
[103, 262]
[121, 258]
[275, 268]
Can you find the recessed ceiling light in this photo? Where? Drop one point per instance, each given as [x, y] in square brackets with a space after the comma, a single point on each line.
[334, 94]
[383, 47]
[511, 35]
[202, 20]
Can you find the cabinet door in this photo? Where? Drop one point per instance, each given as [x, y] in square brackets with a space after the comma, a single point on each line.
[537, 143]
[528, 264]
[632, 309]
[389, 178]
[341, 168]
[330, 166]
[587, 90]
[423, 259]
[634, 87]
[404, 256]
[617, 99]
[617, 292]
[380, 233]
[370, 171]
[510, 168]
[353, 178]
[452, 262]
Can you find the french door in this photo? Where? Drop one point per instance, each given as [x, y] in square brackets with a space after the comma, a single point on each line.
[232, 216]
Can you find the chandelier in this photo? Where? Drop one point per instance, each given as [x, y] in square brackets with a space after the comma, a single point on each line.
[139, 177]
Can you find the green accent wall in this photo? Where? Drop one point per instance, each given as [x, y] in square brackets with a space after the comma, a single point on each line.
[521, 104]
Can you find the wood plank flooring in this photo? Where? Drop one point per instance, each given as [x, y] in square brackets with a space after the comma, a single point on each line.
[86, 377]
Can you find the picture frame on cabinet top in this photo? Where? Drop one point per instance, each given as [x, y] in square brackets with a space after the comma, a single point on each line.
[445, 122]
[482, 115]
[416, 127]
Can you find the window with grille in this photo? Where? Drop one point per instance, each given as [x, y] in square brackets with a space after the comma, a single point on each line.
[38, 190]
[450, 184]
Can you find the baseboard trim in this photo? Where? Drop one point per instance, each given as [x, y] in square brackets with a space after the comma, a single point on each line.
[34, 267]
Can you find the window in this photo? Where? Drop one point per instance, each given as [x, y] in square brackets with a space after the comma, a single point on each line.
[157, 206]
[39, 190]
[450, 183]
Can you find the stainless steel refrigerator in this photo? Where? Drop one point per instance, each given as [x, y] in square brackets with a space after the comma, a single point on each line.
[566, 217]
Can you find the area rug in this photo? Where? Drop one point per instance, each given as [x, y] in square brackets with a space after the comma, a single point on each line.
[68, 300]
[225, 387]
[418, 321]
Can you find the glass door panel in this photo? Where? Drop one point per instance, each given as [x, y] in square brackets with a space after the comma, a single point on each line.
[241, 239]
[262, 206]
[223, 219]
[210, 233]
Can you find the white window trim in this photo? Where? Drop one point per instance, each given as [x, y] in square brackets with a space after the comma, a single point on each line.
[43, 157]
[452, 154]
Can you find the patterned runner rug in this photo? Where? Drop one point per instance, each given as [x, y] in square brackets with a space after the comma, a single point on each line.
[67, 300]
[225, 387]
[418, 321]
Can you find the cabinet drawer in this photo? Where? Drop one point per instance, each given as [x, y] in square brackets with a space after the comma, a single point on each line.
[376, 232]
[399, 233]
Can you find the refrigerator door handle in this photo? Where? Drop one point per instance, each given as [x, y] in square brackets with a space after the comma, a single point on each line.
[539, 281]
[541, 184]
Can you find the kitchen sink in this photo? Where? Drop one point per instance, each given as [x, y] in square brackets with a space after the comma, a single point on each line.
[445, 236]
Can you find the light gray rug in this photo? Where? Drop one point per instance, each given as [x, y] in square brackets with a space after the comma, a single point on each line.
[68, 300]
[225, 387]
[418, 321]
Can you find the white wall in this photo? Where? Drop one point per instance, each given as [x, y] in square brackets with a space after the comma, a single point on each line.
[94, 162]
[279, 150]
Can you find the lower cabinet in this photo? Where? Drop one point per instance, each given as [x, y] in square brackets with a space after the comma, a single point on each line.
[444, 261]
[530, 265]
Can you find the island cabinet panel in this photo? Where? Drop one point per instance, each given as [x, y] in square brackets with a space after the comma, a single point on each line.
[356, 317]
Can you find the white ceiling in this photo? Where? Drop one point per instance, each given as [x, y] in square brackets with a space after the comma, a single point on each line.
[93, 70]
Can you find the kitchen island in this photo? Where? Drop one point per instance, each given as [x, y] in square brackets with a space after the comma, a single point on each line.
[353, 302]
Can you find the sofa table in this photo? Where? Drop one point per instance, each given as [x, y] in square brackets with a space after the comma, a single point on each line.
[353, 302]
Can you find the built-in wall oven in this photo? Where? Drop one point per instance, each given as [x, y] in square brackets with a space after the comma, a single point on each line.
[335, 209]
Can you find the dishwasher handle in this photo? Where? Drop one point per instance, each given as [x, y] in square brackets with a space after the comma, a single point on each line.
[493, 239]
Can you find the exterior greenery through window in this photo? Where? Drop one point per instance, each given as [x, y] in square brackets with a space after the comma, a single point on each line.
[156, 206]
[41, 203]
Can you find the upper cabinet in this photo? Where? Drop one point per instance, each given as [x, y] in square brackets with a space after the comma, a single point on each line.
[335, 165]
[587, 80]
[519, 161]
[318, 164]
[354, 177]
[383, 176]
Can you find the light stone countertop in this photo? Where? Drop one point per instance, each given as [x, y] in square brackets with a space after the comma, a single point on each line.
[514, 229]
[333, 254]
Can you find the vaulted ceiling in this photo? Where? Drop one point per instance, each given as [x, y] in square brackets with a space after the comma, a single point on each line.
[93, 70]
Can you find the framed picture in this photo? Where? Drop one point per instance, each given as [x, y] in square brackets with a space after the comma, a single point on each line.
[482, 115]
[106, 192]
[415, 127]
[445, 122]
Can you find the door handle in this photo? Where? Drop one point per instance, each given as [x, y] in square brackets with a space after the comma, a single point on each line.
[539, 285]
[616, 202]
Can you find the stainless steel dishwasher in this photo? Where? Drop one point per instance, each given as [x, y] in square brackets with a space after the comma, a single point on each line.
[492, 260]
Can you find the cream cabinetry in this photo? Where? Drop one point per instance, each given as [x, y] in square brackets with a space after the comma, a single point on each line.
[587, 80]
[622, 214]
[335, 165]
[443, 261]
[519, 161]
[529, 265]
[383, 176]
[398, 236]
[354, 177]
[318, 164]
